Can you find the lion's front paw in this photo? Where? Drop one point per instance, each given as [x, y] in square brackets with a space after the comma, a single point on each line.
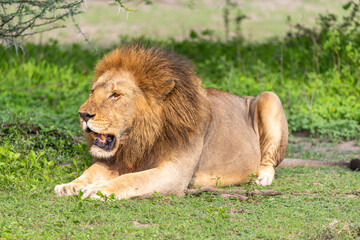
[266, 176]
[91, 191]
[67, 189]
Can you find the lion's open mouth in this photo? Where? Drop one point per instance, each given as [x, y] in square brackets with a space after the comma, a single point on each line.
[103, 141]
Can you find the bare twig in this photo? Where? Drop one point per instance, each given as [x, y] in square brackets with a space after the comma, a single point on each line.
[235, 196]
[233, 193]
[76, 25]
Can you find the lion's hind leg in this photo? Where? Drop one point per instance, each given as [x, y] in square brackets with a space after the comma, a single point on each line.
[271, 123]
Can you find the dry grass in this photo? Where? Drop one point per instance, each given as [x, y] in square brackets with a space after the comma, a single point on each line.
[175, 19]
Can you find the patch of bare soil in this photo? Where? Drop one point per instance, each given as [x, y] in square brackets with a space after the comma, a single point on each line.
[328, 147]
[139, 224]
[351, 196]
[348, 146]
[33, 129]
[303, 143]
[235, 211]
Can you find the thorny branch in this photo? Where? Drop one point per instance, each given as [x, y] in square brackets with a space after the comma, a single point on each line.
[21, 18]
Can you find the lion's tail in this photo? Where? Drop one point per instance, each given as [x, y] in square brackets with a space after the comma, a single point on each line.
[354, 164]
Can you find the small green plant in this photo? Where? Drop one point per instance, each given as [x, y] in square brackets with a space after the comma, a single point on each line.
[333, 43]
[217, 181]
[251, 184]
[216, 215]
[105, 197]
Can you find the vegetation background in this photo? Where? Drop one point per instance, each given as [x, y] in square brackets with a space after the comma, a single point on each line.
[305, 51]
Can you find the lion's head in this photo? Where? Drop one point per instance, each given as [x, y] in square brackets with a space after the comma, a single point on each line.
[141, 99]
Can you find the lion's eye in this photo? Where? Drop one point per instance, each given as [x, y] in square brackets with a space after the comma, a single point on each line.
[114, 95]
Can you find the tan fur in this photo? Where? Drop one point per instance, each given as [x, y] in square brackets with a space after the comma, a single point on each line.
[170, 132]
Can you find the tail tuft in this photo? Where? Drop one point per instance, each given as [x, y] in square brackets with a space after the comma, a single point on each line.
[355, 164]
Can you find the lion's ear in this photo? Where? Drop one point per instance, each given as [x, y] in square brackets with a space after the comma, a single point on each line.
[166, 88]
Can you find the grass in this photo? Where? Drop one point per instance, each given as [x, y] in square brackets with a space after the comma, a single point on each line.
[300, 216]
[50, 82]
[47, 85]
[316, 202]
[105, 25]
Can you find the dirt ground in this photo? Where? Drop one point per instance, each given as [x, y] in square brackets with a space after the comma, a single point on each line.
[302, 146]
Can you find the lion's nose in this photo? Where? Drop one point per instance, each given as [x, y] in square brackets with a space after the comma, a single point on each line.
[86, 116]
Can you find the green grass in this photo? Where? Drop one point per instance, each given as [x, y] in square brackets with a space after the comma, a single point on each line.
[49, 82]
[302, 215]
[316, 203]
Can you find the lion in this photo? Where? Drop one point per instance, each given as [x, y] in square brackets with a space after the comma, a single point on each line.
[153, 128]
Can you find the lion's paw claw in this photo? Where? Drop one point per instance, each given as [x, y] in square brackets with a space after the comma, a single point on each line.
[66, 189]
[265, 178]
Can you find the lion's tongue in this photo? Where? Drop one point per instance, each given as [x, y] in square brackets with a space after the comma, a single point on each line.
[104, 141]
[101, 138]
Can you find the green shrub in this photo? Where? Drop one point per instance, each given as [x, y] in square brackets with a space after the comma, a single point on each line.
[315, 72]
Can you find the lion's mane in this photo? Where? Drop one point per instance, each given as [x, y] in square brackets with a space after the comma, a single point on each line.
[170, 116]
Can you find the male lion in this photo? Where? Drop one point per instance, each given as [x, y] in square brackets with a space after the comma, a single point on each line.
[152, 127]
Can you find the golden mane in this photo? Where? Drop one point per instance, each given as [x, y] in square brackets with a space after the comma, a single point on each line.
[175, 104]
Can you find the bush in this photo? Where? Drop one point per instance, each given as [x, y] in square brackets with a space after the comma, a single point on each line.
[315, 72]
